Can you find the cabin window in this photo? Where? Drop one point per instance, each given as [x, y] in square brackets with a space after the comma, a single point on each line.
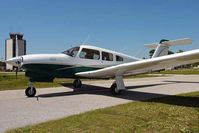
[89, 54]
[107, 56]
[119, 58]
[72, 52]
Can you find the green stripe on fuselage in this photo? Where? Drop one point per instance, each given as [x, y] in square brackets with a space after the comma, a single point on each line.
[53, 70]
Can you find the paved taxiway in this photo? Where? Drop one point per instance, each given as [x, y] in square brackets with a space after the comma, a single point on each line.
[16, 110]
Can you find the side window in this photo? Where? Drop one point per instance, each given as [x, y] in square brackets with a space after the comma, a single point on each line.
[107, 56]
[89, 54]
[119, 58]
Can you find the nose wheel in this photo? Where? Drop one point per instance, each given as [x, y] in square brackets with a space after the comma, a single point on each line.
[77, 83]
[30, 91]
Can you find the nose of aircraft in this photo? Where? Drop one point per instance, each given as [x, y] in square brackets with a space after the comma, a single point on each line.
[16, 61]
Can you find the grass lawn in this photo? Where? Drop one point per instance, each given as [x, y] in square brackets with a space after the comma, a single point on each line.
[168, 114]
[8, 81]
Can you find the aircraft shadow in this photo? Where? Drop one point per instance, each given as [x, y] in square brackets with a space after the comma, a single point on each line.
[131, 95]
[181, 82]
[98, 90]
[93, 87]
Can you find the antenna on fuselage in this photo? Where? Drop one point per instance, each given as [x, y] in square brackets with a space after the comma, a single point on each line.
[124, 49]
[86, 39]
[139, 52]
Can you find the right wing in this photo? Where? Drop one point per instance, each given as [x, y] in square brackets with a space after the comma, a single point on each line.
[143, 66]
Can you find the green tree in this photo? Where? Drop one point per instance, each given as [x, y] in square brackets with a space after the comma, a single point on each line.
[180, 51]
[170, 52]
[2, 63]
[151, 52]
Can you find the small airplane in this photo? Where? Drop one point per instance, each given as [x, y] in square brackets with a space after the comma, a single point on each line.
[92, 62]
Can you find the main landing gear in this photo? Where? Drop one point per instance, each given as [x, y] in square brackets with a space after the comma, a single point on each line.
[30, 91]
[117, 86]
[77, 83]
[114, 90]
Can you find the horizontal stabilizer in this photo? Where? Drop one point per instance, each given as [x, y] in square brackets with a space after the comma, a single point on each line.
[183, 41]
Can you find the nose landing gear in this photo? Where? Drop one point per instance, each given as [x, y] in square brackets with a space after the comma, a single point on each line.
[30, 91]
[77, 83]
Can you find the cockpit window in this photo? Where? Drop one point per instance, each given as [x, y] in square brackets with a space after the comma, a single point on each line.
[72, 52]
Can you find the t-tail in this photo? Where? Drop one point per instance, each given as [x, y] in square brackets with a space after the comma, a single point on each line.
[162, 48]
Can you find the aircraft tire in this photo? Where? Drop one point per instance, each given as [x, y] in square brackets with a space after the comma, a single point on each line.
[114, 90]
[77, 83]
[30, 92]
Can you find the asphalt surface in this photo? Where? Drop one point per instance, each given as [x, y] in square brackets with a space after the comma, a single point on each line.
[16, 110]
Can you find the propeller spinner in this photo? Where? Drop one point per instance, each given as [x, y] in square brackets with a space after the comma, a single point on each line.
[16, 62]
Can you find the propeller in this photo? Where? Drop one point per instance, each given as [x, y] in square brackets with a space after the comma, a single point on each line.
[17, 68]
[16, 63]
[16, 72]
[17, 53]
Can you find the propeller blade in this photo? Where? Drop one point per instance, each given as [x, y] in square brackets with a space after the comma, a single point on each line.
[16, 72]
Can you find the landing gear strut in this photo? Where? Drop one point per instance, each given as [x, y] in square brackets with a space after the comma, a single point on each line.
[117, 86]
[77, 83]
[30, 91]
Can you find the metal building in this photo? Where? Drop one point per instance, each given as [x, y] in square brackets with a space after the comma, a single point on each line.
[14, 46]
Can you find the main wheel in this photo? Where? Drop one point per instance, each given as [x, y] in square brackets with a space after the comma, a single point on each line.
[114, 90]
[77, 83]
[30, 92]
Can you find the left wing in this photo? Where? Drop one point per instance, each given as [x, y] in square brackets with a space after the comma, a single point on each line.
[143, 66]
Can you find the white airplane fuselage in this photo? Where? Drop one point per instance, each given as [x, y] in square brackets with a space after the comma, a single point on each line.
[93, 62]
[46, 67]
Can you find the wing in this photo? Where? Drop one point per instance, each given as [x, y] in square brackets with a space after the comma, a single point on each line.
[143, 66]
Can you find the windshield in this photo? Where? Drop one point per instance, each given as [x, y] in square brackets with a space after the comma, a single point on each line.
[72, 52]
